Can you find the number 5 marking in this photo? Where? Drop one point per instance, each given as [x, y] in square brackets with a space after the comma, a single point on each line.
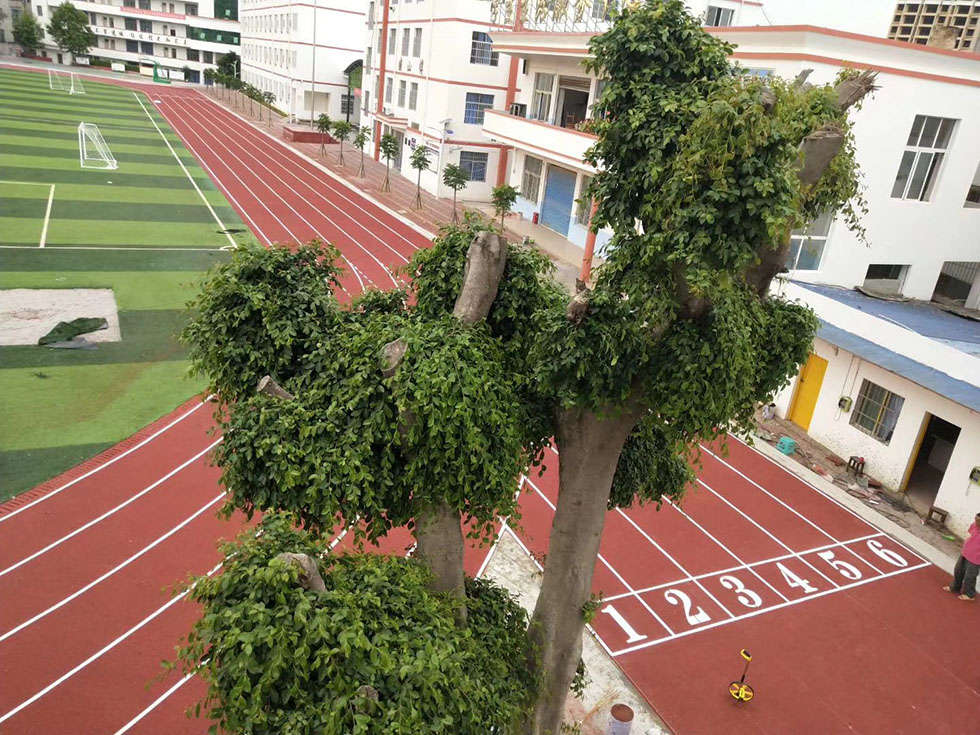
[744, 595]
[631, 635]
[847, 571]
[676, 597]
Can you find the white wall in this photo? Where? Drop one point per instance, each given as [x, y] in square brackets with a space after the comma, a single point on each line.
[888, 462]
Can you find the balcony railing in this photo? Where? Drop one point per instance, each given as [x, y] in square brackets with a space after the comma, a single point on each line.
[562, 16]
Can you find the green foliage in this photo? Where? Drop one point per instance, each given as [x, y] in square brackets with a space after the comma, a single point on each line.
[503, 197]
[281, 660]
[420, 158]
[324, 124]
[361, 138]
[229, 64]
[389, 147]
[454, 177]
[652, 467]
[28, 33]
[342, 130]
[70, 30]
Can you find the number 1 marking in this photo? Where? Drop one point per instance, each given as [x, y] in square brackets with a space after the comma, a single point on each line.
[631, 635]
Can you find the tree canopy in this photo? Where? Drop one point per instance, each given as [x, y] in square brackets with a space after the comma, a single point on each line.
[28, 33]
[70, 30]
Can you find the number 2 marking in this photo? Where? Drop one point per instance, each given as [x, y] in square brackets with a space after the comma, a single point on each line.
[676, 597]
[631, 635]
[744, 595]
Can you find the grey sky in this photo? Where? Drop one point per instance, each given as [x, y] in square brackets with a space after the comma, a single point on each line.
[870, 17]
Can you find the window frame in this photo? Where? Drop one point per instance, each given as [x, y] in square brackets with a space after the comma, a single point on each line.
[528, 176]
[475, 109]
[417, 44]
[402, 92]
[720, 14]
[413, 95]
[469, 160]
[808, 236]
[540, 95]
[886, 409]
[921, 162]
[481, 49]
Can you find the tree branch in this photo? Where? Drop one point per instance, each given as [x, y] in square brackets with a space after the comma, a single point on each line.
[485, 263]
[309, 578]
[270, 387]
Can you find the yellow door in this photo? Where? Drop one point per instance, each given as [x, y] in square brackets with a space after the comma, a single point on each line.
[811, 378]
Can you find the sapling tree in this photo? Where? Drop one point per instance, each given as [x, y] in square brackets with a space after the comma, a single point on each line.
[389, 149]
[323, 126]
[268, 98]
[342, 131]
[419, 160]
[360, 141]
[503, 197]
[455, 178]
[420, 407]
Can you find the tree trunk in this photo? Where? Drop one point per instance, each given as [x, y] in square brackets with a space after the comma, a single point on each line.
[590, 446]
[440, 545]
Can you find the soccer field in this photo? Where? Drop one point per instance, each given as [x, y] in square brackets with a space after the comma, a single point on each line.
[146, 229]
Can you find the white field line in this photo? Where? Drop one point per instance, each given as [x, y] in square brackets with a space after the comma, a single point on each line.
[255, 227]
[744, 567]
[109, 247]
[358, 193]
[221, 225]
[47, 218]
[769, 533]
[727, 550]
[102, 651]
[610, 567]
[105, 464]
[287, 186]
[316, 192]
[122, 565]
[154, 704]
[108, 513]
[764, 610]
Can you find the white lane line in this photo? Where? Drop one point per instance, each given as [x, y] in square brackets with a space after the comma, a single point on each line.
[609, 566]
[253, 150]
[764, 610]
[121, 565]
[286, 185]
[153, 705]
[187, 173]
[105, 464]
[104, 650]
[108, 513]
[743, 567]
[360, 195]
[225, 190]
[47, 218]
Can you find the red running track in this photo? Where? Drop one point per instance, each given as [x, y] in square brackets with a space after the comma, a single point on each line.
[848, 628]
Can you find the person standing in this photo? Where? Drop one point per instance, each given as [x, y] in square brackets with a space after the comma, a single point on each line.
[965, 573]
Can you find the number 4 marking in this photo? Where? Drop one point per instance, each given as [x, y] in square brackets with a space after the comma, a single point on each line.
[794, 580]
[631, 635]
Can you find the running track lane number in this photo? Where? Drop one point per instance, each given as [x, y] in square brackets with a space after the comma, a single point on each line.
[697, 616]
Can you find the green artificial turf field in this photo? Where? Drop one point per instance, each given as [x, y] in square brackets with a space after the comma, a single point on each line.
[142, 230]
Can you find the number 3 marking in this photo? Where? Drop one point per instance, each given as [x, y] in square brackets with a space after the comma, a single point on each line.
[676, 597]
[744, 595]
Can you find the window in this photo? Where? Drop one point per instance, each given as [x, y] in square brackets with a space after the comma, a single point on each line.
[474, 165]
[389, 85]
[476, 103]
[806, 246]
[208, 57]
[146, 48]
[190, 9]
[541, 101]
[481, 50]
[346, 103]
[133, 47]
[715, 17]
[144, 4]
[40, 12]
[406, 39]
[193, 55]
[130, 24]
[413, 96]
[602, 9]
[531, 180]
[876, 411]
[146, 26]
[402, 87]
[391, 40]
[417, 44]
[923, 156]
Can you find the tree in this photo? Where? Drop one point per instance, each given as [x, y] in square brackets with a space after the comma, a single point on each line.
[455, 178]
[420, 407]
[419, 160]
[389, 149]
[503, 197]
[342, 131]
[323, 125]
[268, 98]
[229, 64]
[360, 140]
[70, 30]
[28, 33]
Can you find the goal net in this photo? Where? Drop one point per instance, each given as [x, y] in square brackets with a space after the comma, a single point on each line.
[65, 81]
[93, 152]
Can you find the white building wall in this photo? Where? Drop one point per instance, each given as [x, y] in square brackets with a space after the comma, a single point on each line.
[298, 52]
[889, 462]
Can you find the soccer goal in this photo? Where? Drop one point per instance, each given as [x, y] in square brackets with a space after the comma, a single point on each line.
[65, 81]
[93, 152]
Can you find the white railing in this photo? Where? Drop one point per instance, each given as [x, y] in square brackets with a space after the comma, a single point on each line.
[562, 16]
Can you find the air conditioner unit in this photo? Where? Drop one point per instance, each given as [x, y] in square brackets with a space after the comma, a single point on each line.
[518, 109]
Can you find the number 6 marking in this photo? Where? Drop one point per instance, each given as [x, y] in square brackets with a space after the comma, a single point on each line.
[676, 597]
[744, 595]
[888, 555]
[631, 635]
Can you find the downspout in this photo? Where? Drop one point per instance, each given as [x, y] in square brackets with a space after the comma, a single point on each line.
[380, 92]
